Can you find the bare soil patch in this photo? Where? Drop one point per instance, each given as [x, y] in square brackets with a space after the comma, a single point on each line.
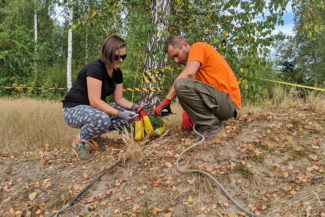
[272, 161]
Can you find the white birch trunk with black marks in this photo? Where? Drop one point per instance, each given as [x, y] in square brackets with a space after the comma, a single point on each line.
[156, 44]
[69, 61]
[35, 34]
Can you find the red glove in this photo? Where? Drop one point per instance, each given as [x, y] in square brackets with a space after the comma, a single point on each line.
[162, 106]
[142, 113]
[187, 122]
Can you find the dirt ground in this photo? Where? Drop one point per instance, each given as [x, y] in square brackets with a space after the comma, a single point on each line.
[272, 161]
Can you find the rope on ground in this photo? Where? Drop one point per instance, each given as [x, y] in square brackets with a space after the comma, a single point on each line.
[210, 176]
[73, 200]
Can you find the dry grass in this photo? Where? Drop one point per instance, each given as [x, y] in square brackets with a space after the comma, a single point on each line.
[258, 157]
[133, 148]
[174, 121]
[29, 125]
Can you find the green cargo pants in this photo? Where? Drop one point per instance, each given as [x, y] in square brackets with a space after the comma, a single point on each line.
[205, 104]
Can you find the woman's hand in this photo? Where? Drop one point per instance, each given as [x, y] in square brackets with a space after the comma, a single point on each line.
[127, 115]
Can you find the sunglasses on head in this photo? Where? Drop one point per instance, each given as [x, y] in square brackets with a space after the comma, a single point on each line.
[119, 57]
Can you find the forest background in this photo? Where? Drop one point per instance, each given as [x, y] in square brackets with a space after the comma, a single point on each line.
[34, 41]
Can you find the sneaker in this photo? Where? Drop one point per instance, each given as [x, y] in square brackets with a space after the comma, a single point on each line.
[210, 132]
[95, 142]
[81, 152]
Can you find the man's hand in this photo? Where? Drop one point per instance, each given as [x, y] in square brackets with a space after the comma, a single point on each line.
[162, 106]
[187, 122]
[127, 115]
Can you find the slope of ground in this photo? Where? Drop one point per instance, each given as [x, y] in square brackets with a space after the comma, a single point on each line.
[271, 160]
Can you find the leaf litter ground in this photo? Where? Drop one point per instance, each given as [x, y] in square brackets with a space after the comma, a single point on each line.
[272, 162]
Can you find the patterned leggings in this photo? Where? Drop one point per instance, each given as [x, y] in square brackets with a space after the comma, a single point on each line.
[91, 121]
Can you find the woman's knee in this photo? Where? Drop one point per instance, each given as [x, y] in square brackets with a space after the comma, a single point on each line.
[104, 123]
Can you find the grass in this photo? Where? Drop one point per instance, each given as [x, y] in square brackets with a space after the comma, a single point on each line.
[265, 147]
[34, 125]
[31, 125]
[58, 198]
[43, 120]
[245, 171]
[259, 159]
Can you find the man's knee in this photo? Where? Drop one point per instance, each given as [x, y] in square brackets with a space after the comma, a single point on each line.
[181, 85]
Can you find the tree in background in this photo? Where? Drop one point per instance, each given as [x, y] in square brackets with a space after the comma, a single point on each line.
[239, 30]
[154, 57]
[302, 57]
[69, 82]
[19, 52]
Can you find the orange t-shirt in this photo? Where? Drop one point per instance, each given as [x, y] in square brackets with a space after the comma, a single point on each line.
[214, 70]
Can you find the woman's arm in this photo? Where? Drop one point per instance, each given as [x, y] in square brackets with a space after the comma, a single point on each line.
[119, 99]
[94, 87]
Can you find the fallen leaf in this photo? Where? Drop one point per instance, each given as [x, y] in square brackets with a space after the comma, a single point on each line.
[230, 214]
[207, 200]
[32, 196]
[290, 167]
[90, 200]
[167, 164]
[103, 203]
[191, 181]
[85, 176]
[156, 210]
[135, 207]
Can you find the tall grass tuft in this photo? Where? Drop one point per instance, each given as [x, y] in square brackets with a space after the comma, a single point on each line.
[30, 125]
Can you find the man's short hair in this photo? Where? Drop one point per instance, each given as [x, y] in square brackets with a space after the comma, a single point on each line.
[175, 41]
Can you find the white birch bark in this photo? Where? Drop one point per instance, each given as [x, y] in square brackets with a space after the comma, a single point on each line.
[69, 61]
[86, 39]
[86, 47]
[35, 34]
[151, 61]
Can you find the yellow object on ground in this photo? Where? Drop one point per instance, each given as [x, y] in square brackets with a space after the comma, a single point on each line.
[145, 125]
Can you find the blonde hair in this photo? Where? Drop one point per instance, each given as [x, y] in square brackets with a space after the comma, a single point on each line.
[108, 48]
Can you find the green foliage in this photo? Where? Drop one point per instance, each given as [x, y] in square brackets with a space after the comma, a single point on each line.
[302, 57]
[16, 54]
[239, 30]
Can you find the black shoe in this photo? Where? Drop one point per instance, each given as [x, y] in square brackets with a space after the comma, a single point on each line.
[210, 132]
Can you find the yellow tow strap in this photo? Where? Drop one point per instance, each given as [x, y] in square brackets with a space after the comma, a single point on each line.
[144, 125]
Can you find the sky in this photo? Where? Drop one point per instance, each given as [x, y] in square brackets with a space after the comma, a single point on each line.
[287, 28]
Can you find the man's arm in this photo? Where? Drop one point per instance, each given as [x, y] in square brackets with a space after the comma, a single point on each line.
[189, 72]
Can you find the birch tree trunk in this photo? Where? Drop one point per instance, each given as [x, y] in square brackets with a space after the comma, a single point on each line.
[86, 39]
[69, 61]
[35, 34]
[86, 47]
[152, 61]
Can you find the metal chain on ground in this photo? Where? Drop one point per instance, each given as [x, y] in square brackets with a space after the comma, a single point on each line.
[209, 175]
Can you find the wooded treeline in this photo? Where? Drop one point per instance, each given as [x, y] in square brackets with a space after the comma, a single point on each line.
[239, 30]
